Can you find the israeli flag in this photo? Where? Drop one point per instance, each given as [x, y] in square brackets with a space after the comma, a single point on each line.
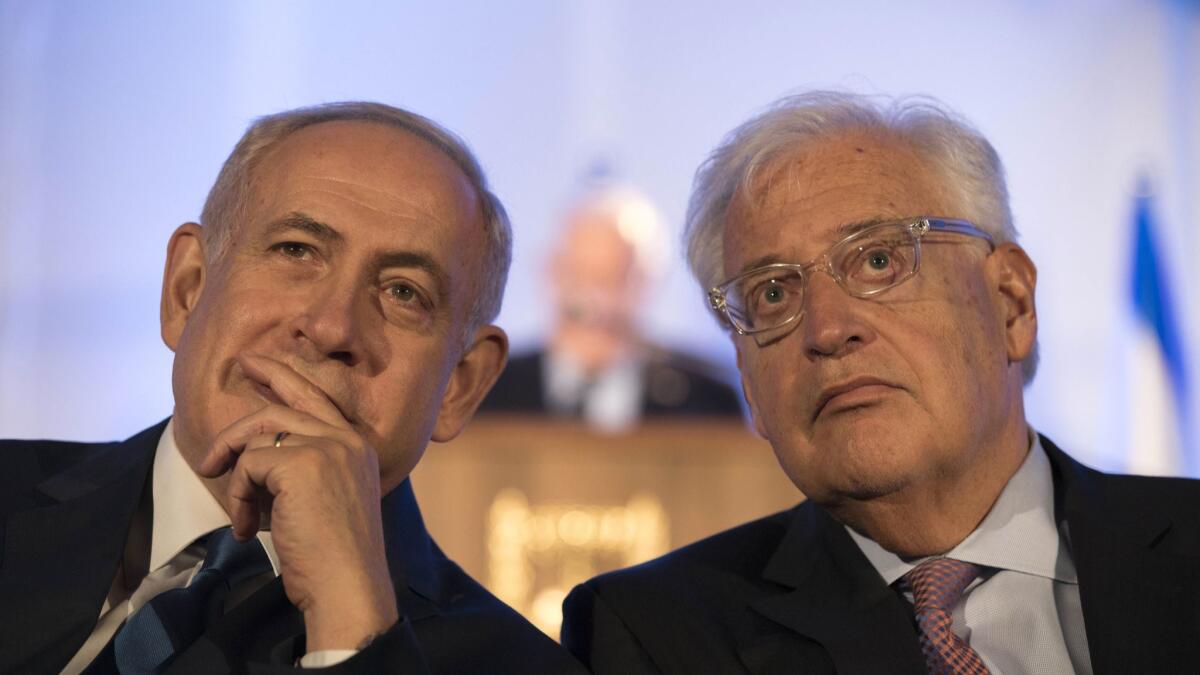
[1158, 393]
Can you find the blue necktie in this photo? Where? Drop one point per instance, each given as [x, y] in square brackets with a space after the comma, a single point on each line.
[174, 619]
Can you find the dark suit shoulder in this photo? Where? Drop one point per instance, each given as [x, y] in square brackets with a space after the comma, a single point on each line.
[26, 463]
[49, 455]
[500, 639]
[741, 551]
[1155, 490]
[685, 608]
[706, 579]
[1132, 500]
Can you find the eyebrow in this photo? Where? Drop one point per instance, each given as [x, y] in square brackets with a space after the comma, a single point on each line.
[857, 226]
[412, 259]
[841, 232]
[307, 224]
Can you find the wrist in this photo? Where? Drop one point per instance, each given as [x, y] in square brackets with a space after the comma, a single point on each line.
[350, 622]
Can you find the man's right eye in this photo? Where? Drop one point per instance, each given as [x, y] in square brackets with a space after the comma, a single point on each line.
[772, 294]
[768, 296]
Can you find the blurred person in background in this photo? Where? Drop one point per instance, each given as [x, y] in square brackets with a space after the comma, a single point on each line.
[330, 315]
[863, 256]
[596, 365]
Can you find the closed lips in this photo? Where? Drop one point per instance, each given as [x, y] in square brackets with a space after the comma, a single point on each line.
[833, 392]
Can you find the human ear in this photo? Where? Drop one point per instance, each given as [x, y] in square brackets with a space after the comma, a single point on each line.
[183, 281]
[1015, 278]
[746, 390]
[471, 380]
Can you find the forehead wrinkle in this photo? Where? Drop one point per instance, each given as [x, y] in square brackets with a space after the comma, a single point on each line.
[843, 231]
[791, 172]
[298, 220]
[399, 204]
[763, 261]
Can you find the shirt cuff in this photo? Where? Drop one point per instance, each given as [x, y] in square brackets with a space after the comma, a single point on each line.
[324, 658]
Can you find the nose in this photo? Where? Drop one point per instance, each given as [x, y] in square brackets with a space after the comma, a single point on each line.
[831, 326]
[335, 323]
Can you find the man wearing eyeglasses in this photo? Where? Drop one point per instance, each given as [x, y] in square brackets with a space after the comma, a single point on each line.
[863, 256]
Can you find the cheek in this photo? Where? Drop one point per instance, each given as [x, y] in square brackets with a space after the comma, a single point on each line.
[223, 322]
[404, 399]
[772, 388]
[960, 351]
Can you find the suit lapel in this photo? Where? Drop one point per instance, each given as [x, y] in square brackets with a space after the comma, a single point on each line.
[60, 559]
[830, 594]
[1138, 602]
[412, 556]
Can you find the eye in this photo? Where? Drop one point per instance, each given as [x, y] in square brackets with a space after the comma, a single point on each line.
[405, 299]
[874, 260]
[772, 293]
[403, 293]
[879, 259]
[294, 249]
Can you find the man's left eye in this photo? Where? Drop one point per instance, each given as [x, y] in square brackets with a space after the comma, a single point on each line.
[293, 249]
[404, 294]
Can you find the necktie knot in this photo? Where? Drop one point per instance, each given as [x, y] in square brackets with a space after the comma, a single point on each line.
[233, 560]
[938, 583]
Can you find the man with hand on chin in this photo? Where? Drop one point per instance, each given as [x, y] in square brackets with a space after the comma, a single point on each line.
[863, 256]
[329, 316]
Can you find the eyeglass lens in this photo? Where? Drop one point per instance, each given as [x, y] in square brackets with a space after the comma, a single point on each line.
[868, 263]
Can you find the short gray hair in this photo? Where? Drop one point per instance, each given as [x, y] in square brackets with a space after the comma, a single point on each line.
[947, 143]
[226, 204]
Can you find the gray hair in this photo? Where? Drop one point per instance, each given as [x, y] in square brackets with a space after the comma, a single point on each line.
[947, 143]
[227, 201]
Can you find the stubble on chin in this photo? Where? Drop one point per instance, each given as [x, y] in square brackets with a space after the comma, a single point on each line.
[860, 463]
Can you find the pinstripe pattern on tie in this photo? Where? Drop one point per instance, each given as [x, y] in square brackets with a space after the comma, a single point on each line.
[936, 585]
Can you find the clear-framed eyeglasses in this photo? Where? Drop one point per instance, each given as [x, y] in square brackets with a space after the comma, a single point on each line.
[864, 264]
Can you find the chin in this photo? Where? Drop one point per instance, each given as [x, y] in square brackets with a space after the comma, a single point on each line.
[863, 488]
[860, 467]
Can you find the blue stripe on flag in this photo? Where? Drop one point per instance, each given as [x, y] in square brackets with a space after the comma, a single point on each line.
[1152, 296]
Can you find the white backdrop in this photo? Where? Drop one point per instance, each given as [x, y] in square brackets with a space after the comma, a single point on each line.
[114, 118]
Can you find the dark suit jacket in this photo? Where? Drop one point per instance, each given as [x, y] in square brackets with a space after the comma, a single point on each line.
[792, 593]
[672, 385]
[66, 511]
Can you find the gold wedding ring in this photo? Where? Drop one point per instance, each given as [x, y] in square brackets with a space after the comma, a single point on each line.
[279, 438]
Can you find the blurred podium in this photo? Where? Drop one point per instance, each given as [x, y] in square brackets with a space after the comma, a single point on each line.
[530, 506]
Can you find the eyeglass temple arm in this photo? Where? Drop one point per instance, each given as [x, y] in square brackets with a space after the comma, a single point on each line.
[959, 227]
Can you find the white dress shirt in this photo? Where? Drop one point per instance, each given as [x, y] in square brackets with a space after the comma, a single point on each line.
[184, 511]
[1022, 615]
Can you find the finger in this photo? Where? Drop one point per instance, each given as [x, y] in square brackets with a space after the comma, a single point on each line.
[245, 496]
[292, 388]
[267, 422]
[255, 481]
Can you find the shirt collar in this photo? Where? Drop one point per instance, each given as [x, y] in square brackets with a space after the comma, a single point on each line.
[184, 509]
[1019, 533]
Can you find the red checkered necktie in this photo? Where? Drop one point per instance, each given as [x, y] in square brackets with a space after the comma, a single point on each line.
[936, 584]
